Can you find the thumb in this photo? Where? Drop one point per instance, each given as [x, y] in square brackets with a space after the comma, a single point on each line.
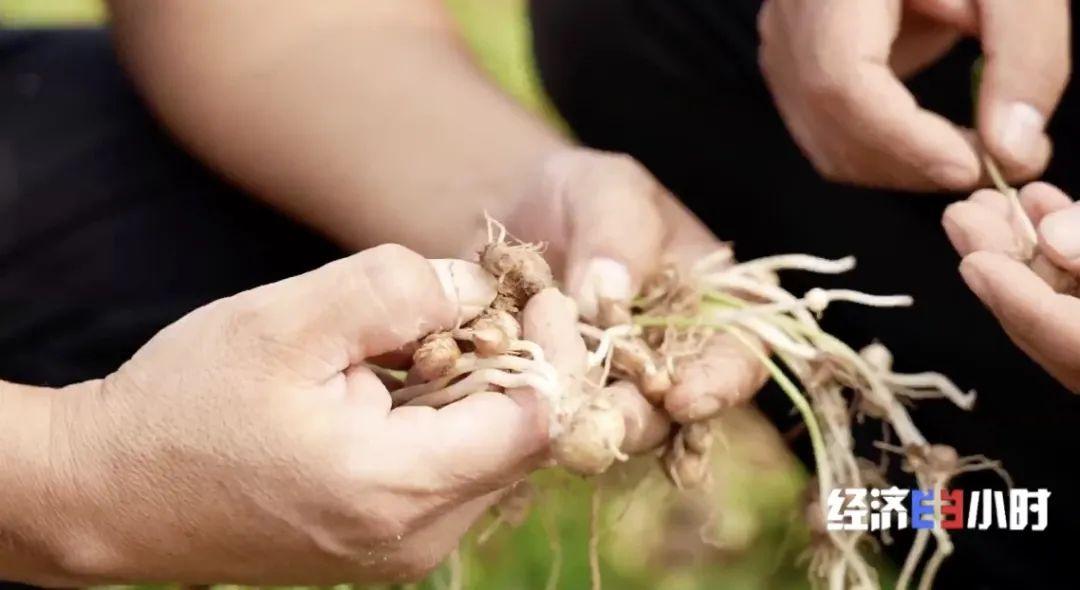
[367, 304]
[615, 229]
[1027, 47]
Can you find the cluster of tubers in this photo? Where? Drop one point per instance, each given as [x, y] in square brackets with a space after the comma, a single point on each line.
[647, 341]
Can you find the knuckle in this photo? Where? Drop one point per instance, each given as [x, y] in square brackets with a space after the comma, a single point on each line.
[827, 89]
[630, 186]
[393, 255]
[397, 277]
[243, 317]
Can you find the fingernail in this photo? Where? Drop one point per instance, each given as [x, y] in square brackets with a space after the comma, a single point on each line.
[466, 284]
[1061, 231]
[603, 278]
[1021, 127]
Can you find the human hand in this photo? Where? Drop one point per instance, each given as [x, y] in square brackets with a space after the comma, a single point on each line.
[248, 442]
[1036, 302]
[835, 69]
[608, 224]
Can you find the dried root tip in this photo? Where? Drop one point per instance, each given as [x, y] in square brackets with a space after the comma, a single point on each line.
[514, 507]
[436, 356]
[686, 460]
[942, 458]
[698, 437]
[501, 320]
[590, 443]
[815, 521]
[490, 342]
[659, 284]
[812, 511]
[611, 312]
[870, 408]
[654, 384]
[878, 356]
[633, 357]
[493, 333]
[933, 459]
[686, 470]
[520, 269]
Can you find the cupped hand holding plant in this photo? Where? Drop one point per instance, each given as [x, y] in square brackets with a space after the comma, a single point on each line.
[250, 442]
[1033, 292]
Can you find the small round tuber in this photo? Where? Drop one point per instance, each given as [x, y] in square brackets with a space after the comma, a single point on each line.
[493, 332]
[435, 357]
[590, 442]
[698, 437]
[521, 272]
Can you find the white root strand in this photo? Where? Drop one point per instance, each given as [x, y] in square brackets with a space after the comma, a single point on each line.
[731, 282]
[936, 382]
[478, 381]
[815, 300]
[594, 333]
[818, 299]
[606, 340]
[720, 257]
[803, 262]
[777, 340]
[469, 362]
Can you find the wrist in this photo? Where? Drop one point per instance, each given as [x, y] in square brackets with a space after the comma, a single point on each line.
[44, 537]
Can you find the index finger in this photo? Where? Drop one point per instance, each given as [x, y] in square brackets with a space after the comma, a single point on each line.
[1042, 322]
[924, 150]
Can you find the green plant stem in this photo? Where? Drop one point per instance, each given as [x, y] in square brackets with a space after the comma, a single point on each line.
[817, 441]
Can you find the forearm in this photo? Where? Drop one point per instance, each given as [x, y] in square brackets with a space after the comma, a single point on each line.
[38, 543]
[367, 120]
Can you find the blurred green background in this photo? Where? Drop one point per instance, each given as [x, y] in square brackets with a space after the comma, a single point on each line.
[743, 532]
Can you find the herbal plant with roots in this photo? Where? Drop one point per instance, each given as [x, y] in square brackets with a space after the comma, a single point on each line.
[488, 354]
[828, 382]
[648, 342]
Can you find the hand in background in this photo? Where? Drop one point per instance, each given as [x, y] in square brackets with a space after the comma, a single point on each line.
[835, 69]
[608, 224]
[248, 442]
[1036, 303]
